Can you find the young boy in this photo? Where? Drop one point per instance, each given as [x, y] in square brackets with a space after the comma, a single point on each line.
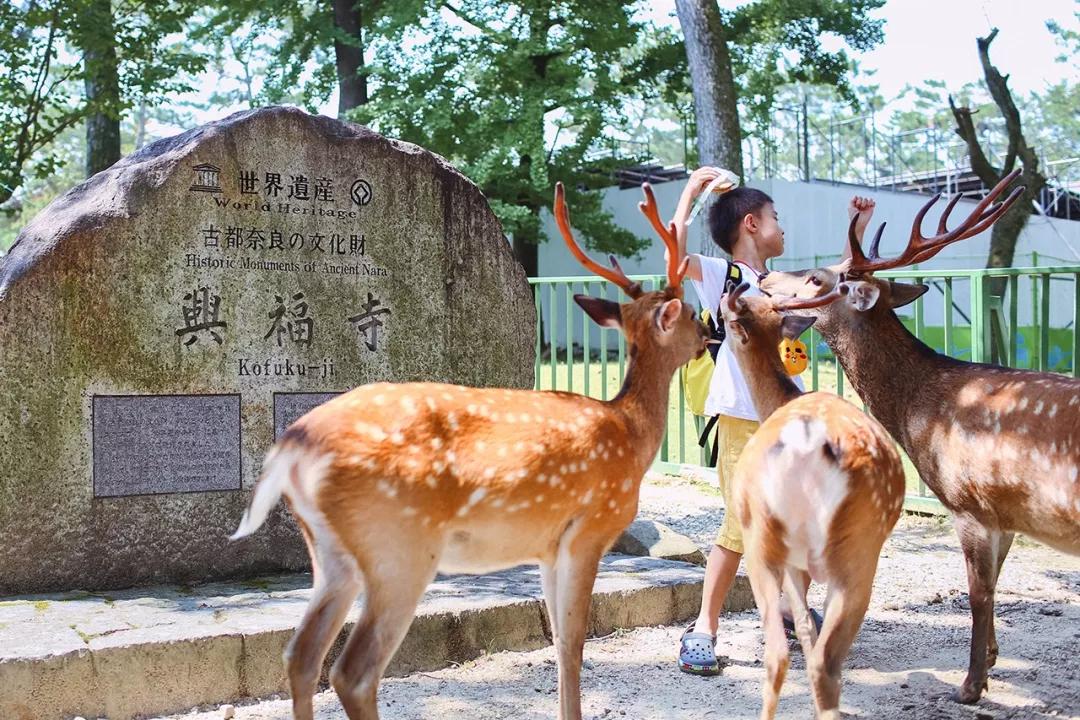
[744, 223]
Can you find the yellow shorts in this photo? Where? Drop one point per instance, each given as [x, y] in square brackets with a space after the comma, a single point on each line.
[732, 435]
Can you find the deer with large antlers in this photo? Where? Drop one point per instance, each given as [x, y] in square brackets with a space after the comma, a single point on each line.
[391, 483]
[999, 447]
[818, 489]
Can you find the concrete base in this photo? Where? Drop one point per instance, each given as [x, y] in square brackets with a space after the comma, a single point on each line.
[167, 649]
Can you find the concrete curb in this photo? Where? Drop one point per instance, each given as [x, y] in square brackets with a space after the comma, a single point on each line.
[217, 646]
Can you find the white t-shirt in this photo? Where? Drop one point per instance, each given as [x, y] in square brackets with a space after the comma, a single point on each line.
[728, 391]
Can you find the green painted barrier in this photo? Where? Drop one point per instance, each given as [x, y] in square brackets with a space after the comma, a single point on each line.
[1036, 320]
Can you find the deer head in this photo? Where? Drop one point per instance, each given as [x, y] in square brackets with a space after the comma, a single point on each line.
[755, 326]
[657, 319]
[867, 294]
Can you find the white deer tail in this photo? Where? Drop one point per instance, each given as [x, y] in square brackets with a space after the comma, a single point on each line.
[271, 485]
[290, 470]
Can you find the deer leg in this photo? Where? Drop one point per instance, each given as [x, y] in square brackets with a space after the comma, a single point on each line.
[395, 582]
[847, 608]
[575, 573]
[766, 587]
[1004, 546]
[336, 585]
[547, 583]
[795, 582]
[980, 546]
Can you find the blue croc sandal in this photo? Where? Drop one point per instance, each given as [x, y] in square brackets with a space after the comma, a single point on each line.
[697, 653]
[789, 625]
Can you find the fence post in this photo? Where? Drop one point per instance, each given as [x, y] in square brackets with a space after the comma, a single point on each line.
[980, 318]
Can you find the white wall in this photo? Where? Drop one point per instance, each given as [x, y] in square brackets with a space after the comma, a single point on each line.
[814, 218]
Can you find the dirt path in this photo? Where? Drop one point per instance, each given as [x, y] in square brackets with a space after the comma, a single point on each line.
[910, 653]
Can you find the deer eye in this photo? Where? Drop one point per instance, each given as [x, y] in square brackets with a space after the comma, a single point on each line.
[814, 279]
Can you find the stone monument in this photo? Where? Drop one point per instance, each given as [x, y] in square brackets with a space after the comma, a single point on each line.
[161, 323]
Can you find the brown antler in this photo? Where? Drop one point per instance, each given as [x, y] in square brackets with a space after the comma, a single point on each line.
[783, 303]
[676, 267]
[734, 298]
[617, 276]
[920, 247]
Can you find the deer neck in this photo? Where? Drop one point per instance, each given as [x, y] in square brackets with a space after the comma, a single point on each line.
[769, 384]
[885, 364]
[643, 398]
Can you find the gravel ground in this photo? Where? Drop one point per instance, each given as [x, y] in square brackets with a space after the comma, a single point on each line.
[911, 651]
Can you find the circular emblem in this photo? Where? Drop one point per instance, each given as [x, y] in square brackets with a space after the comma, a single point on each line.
[360, 192]
[793, 354]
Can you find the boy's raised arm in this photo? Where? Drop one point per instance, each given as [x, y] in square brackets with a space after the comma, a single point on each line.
[699, 180]
[864, 206]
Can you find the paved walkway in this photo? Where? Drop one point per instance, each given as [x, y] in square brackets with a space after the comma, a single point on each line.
[164, 649]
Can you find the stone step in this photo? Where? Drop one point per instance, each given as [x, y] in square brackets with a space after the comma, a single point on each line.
[166, 649]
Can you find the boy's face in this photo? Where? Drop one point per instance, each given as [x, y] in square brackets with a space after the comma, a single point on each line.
[769, 235]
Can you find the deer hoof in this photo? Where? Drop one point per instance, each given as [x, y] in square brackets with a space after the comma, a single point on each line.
[969, 692]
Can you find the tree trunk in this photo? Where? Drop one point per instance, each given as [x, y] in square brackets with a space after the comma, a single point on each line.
[140, 124]
[527, 253]
[352, 82]
[101, 83]
[716, 107]
[1008, 227]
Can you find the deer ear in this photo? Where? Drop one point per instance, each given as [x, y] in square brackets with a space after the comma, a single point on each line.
[900, 294]
[667, 314]
[792, 326]
[736, 330]
[862, 295]
[603, 312]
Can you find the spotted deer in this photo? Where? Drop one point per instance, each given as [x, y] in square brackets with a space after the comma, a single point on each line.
[999, 447]
[390, 483]
[818, 489]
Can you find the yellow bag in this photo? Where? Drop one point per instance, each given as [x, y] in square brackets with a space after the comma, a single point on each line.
[696, 376]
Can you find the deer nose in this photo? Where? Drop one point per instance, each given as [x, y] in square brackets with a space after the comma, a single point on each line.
[762, 276]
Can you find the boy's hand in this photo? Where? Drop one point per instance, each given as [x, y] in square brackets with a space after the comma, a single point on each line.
[700, 179]
[864, 207]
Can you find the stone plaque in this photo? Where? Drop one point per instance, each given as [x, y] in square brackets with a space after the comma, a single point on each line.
[165, 444]
[272, 252]
[290, 407]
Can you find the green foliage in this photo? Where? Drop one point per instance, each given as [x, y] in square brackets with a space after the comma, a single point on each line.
[47, 45]
[475, 81]
[779, 42]
[289, 47]
[34, 105]
[774, 44]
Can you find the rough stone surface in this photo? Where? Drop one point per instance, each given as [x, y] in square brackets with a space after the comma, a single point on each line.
[162, 276]
[649, 538]
[166, 649]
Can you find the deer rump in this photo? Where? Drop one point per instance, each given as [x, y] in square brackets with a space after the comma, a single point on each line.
[817, 483]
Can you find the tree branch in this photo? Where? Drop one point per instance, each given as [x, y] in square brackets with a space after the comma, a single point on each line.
[502, 38]
[965, 128]
[1003, 99]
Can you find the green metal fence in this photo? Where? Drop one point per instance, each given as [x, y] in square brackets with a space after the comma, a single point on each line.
[1033, 325]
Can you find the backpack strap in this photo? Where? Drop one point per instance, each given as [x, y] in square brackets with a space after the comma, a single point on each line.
[704, 439]
[734, 276]
[731, 281]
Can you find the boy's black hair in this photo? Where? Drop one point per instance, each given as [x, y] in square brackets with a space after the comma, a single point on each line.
[727, 213]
